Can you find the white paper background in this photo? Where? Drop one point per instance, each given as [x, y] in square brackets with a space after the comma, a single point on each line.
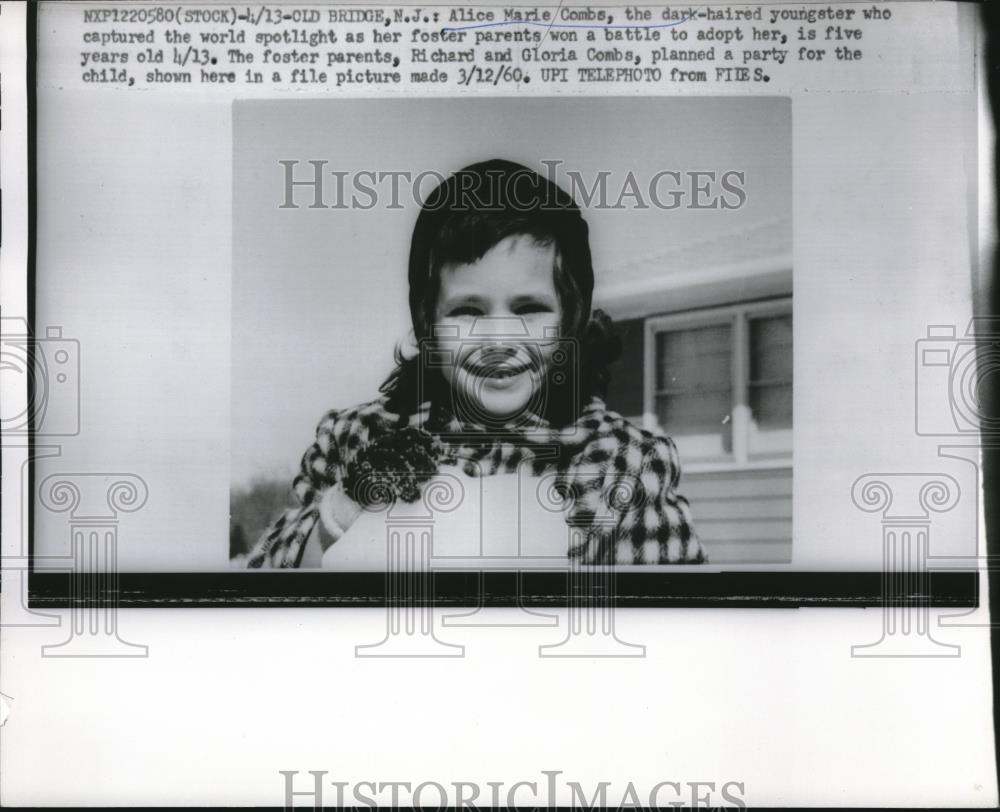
[229, 697]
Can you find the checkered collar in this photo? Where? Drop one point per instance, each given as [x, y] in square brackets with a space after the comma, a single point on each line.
[590, 458]
[508, 443]
[528, 427]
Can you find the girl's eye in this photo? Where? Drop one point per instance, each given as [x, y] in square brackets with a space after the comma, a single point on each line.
[465, 310]
[531, 308]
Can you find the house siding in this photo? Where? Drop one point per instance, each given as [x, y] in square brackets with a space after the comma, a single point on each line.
[742, 517]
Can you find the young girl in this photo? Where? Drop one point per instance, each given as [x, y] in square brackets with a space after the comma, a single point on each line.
[507, 371]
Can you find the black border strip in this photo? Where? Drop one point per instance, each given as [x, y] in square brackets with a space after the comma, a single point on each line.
[472, 588]
[31, 90]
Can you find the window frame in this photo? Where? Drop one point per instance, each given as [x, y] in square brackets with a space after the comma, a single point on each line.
[738, 317]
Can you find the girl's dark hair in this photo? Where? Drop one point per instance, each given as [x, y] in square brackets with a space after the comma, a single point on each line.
[464, 217]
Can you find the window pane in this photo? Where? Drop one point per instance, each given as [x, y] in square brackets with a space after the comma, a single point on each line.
[771, 406]
[771, 349]
[694, 360]
[694, 389]
[770, 376]
[693, 414]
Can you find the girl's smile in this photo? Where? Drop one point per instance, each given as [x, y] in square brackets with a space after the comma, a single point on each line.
[499, 363]
[498, 372]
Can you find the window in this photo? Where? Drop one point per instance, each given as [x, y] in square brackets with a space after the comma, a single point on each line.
[720, 382]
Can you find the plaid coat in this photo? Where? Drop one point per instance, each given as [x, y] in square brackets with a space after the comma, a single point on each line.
[620, 481]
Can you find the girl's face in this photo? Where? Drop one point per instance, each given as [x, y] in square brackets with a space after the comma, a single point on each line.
[497, 326]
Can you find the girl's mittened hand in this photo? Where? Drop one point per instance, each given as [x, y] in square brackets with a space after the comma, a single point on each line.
[394, 466]
[337, 510]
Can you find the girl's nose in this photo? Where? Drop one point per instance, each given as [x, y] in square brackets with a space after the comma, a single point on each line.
[498, 353]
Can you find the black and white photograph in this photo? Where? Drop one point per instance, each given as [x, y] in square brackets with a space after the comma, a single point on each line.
[550, 322]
